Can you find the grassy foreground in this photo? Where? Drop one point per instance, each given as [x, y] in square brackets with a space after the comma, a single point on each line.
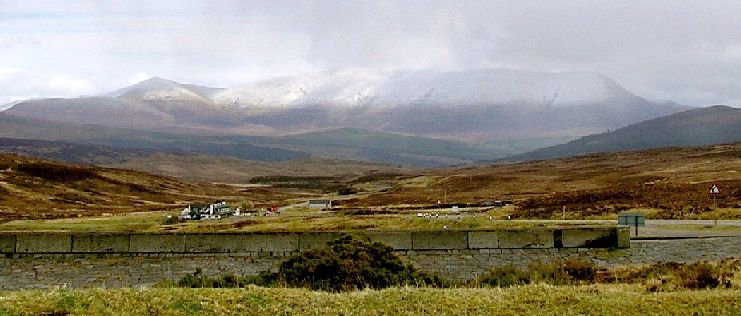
[532, 300]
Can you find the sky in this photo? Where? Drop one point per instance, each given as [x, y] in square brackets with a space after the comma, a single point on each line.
[688, 52]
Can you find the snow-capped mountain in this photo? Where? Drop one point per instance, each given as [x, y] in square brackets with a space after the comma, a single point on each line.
[474, 105]
[159, 89]
[364, 87]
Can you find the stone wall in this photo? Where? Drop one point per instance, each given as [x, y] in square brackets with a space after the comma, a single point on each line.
[116, 260]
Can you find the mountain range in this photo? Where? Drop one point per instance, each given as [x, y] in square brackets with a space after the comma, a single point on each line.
[419, 118]
[475, 105]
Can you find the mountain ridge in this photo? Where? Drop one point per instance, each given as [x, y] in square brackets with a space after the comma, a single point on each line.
[697, 127]
[479, 106]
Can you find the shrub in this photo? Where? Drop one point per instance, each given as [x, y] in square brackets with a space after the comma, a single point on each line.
[548, 272]
[697, 276]
[505, 276]
[57, 172]
[172, 220]
[346, 190]
[350, 263]
[579, 270]
[556, 273]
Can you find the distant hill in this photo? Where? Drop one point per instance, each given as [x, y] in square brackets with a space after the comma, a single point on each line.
[32, 188]
[705, 126]
[389, 148]
[347, 143]
[12, 126]
[70, 152]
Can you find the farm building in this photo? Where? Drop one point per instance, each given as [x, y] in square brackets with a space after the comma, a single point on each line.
[320, 203]
[213, 211]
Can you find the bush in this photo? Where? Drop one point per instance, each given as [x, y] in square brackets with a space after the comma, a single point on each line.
[348, 264]
[697, 276]
[346, 190]
[569, 271]
[579, 270]
[172, 220]
[57, 172]
[548, 272]
[505, 276]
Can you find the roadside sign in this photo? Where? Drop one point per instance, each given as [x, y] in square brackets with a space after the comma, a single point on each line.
[714, 190]
[632, 219]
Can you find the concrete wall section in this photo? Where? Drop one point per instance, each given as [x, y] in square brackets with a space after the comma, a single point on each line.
[156, 243]
[440, 240]
[396, 240]
[97, 243]
[43, 243]
[589, 238]
[309, 241]
[271, 242]
[522, 239]
[291, 242]
[7, 243]
[483, 239]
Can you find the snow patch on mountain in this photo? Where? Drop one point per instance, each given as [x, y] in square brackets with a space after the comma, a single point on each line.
[363, 87]
[158, 89]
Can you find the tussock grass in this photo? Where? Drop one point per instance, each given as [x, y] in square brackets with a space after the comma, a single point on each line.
[524, 300]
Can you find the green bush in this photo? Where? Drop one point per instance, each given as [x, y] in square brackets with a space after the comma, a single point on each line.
[505, 276]
[569, 271]
[548, 272]
[349, 263]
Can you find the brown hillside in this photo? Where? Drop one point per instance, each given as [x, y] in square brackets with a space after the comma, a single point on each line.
[33, 188]
[675, 181]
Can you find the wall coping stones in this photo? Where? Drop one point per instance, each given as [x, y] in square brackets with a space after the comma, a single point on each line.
[241, 243]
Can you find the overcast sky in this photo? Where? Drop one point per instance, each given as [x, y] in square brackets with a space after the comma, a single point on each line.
[685, 51]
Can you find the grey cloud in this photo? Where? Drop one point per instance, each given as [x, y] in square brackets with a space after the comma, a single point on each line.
[685, 51]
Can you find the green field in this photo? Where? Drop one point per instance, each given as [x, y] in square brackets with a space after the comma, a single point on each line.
[294, 220]
[526, 300]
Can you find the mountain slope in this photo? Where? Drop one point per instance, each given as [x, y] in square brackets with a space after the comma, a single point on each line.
[705, 126]
[71, 152]
[389, 148]
[29, 128]
[32, 188]
[475, 105]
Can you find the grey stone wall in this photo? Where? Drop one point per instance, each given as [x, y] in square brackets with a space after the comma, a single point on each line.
[22, 269]
[468, 264]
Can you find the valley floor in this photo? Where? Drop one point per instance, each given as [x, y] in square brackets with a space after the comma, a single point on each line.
[525, 300]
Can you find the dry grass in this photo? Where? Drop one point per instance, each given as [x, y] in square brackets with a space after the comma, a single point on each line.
[39, 189]
[232, 170]
[297, 220]
[525, 300]
[675, 181]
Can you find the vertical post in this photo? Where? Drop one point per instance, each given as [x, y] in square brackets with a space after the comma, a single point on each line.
[636, 223]
[715, 208]
[563, 213]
